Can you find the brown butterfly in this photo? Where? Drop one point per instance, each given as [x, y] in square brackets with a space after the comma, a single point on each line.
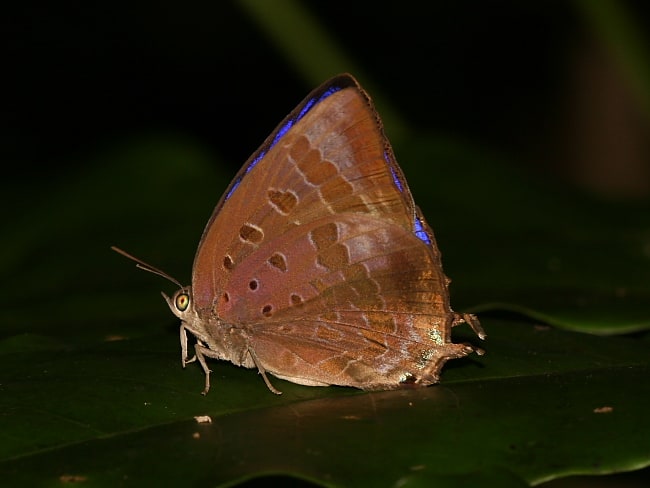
[316, 265]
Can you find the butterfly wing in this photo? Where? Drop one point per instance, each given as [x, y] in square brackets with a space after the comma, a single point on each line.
[366, 309]
[328, 157]
[318, 253]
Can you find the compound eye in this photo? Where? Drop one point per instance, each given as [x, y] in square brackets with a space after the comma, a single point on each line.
[182, 301]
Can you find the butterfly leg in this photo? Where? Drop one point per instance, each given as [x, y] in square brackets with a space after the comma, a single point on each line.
[262, 371]
[184, 359]
[201, 353]
[472, 321]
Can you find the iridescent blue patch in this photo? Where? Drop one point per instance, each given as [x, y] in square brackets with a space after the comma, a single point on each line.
[232, 189]
[420, 233]
[396, 180]
[418, 228]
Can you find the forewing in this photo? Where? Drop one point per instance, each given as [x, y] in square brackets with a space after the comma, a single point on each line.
[328, 158]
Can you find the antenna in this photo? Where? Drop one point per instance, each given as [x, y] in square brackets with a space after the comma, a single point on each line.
[146, 267]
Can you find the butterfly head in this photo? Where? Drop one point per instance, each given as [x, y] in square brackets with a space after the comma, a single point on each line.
[181, 305]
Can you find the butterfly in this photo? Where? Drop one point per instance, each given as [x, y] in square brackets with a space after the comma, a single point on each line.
[316, 266]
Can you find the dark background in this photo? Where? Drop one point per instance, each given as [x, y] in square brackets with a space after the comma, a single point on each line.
[538, 81]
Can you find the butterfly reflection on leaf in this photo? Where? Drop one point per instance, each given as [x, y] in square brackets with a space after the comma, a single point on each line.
[316, 266]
